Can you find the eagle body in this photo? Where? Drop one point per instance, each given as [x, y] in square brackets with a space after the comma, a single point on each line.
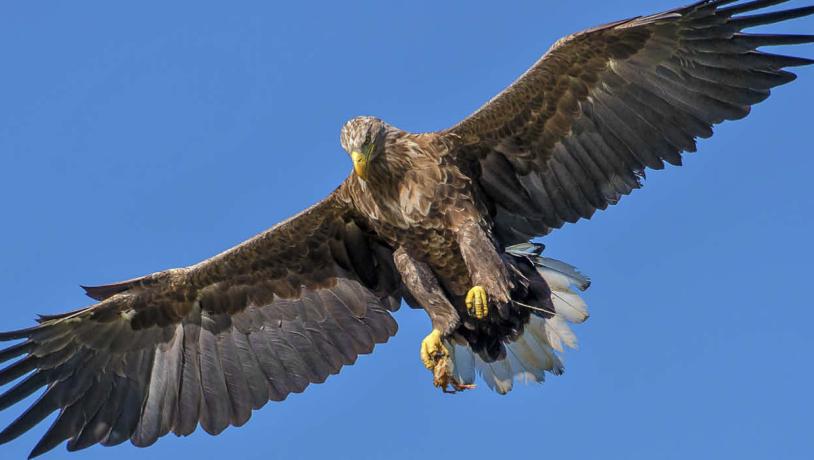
[420, 204]
[426, 208]
[444, 221]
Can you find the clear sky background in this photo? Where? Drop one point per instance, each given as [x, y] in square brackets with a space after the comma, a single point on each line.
[139, 136]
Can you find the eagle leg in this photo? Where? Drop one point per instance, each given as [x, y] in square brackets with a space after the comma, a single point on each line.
[420, 280]
[486, 270]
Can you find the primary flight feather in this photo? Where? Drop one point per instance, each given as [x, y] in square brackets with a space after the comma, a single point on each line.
[441, 220]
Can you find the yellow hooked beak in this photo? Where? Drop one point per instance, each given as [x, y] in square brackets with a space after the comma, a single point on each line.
[360, 161]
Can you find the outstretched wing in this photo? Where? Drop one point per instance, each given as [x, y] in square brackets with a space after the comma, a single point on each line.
[209, 343]
[576, 132]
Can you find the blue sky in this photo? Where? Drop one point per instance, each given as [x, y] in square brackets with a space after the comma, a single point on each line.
[143, 136]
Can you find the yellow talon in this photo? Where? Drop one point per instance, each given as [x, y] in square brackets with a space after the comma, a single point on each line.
[477, 302]
[433, 349]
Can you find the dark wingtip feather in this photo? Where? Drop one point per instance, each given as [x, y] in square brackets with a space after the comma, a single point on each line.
[758, 40]
[16, 350]
[95, 292]
[34, 415]
[744, 22]
[799, 62]
[45, 444]
[23, 389]
[109, 290]
[750, 6]
[38, 450]
[18, 369]
[18, 334]
[787, 77]
[778, 61]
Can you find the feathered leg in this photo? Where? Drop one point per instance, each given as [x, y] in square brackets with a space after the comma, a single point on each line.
[486, 269]
[424, 288]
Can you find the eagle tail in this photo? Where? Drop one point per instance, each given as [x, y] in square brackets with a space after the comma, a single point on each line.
[537, 350]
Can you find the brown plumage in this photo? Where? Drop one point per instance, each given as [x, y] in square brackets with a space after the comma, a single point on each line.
[425, 218]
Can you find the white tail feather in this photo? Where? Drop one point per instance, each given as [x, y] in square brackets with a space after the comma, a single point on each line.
[555, 280]
[463, 361]
[579, 280]
[531, 359]
[570, 306]
[497, 375]
[558, 332]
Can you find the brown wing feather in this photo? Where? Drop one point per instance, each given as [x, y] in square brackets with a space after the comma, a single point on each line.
[208, 343]
[576, 132]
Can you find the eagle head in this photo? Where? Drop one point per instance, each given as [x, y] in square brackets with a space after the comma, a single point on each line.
[363, 138]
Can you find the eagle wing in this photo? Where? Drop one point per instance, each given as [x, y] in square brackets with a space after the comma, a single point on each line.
[208, 343]
[577, 130]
